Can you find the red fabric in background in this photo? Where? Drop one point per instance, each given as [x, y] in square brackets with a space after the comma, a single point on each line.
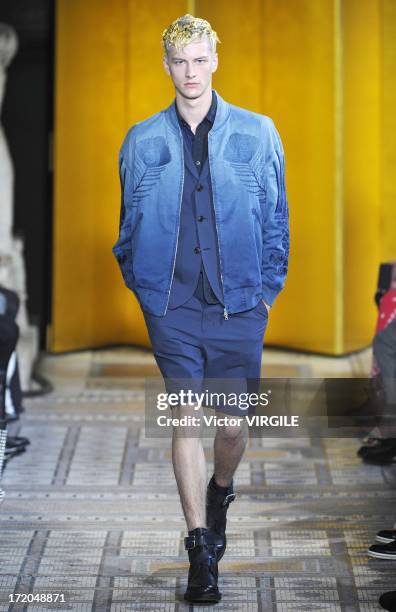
[387, 310]
[386, 314]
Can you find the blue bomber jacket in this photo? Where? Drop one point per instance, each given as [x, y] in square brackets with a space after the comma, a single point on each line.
[247, 170]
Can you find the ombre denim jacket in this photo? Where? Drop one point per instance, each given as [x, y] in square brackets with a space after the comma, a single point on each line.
[247, 170]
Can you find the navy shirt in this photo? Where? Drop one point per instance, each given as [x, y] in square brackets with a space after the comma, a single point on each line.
[198, 142]
[198, 145]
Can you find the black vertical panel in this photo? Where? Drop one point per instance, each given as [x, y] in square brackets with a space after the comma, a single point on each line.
[28, 122]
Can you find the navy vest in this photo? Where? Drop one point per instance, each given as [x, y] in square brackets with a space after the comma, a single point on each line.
[197, 257]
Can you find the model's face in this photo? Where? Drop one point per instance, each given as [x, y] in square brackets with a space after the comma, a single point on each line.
[191, 69]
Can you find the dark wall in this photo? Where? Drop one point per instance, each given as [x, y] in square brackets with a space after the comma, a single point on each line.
[27, 118]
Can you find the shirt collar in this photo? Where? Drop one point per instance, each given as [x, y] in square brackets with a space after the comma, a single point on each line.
[210, 115]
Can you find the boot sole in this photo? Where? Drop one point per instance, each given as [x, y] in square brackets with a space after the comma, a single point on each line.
[203, 599]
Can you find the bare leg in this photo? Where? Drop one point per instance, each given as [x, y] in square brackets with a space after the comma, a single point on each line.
[189, 466]
[229, 446]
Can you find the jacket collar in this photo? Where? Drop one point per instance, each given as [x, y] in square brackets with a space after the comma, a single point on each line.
[222, 113]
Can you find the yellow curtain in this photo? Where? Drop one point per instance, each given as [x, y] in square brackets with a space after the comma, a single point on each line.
[322, 70]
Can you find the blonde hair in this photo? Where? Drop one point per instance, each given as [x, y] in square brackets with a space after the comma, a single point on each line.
[186, 29]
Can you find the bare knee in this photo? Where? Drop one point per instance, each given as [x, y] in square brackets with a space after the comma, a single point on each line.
[187, 421]
[232, 434]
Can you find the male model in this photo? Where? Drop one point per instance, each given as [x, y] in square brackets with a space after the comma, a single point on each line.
[203, 244]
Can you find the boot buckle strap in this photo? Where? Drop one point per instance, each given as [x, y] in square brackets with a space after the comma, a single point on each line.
[193, 541]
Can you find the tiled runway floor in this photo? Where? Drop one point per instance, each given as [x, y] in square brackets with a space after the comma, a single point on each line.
[92, 511]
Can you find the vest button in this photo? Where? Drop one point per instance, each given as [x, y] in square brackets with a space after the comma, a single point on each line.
[201, 218]
[199, 187]
[198, 163]
[197, 250]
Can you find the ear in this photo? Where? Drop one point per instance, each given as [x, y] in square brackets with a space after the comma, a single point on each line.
[215, 62]
[166, 64]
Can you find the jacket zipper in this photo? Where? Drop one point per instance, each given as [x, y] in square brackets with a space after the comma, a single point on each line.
[225, 312]
[178, 227]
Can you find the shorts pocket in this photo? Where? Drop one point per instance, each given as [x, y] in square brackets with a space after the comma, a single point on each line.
[262, 308]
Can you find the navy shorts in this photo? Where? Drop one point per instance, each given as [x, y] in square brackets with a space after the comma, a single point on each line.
[196, 348]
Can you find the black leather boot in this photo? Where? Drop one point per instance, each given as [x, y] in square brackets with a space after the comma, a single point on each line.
[217, 504]
[203, 573]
